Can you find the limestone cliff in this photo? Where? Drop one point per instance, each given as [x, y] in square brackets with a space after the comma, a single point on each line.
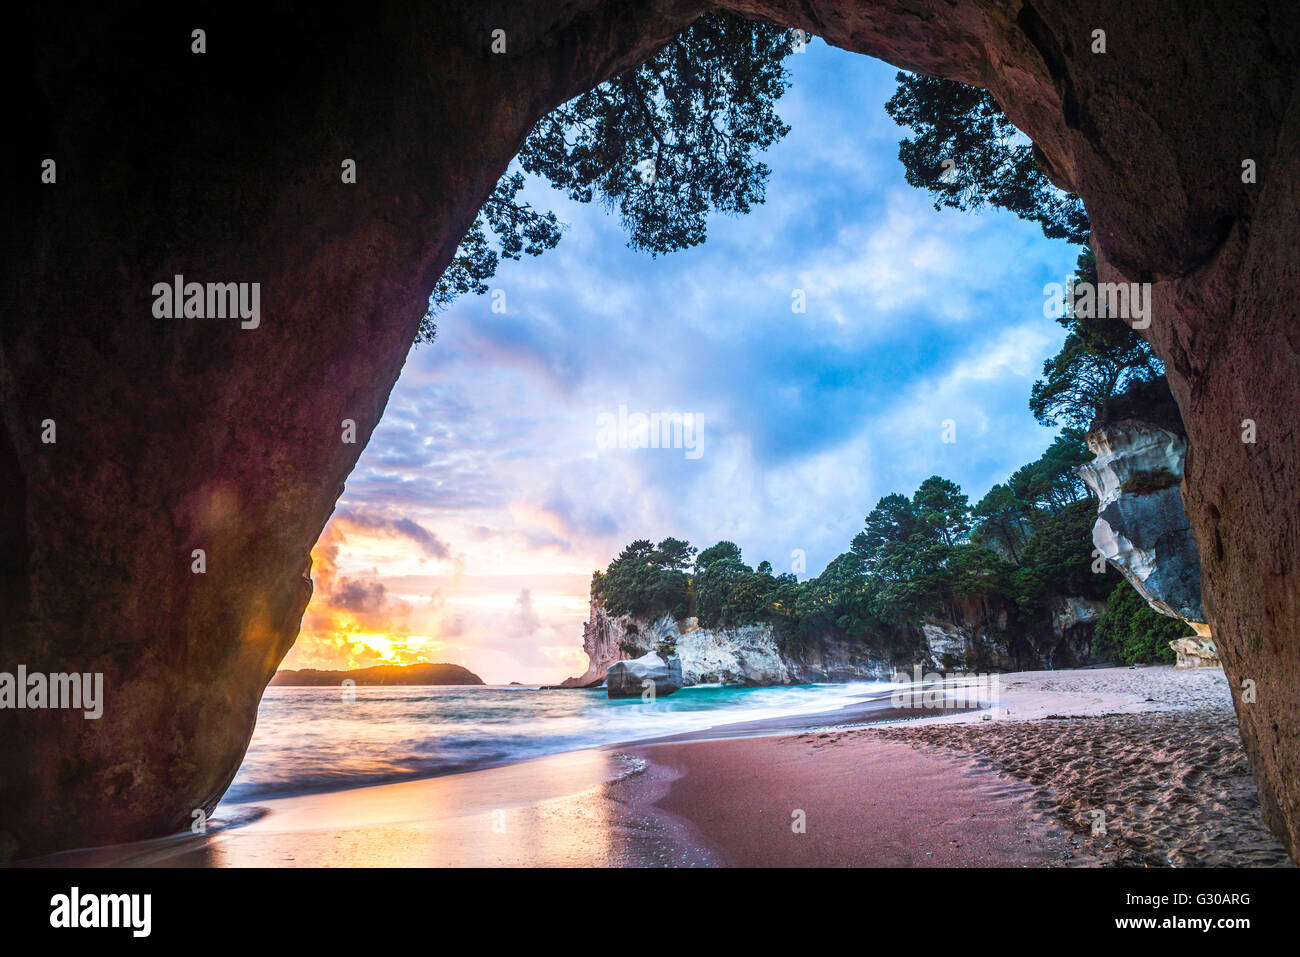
[1142, 528]
[747, 655]
[975, 635]
[984, 633]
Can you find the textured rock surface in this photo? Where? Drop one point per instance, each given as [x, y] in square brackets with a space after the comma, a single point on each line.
[749, 655]
[634, 677]
[1142, 528]
[182, 435]
[605, 639]
[1074, 623]
[1195, 652]
[983, 635]
[977, 636]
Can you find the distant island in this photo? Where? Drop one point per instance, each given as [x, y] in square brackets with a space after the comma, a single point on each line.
[424, 674]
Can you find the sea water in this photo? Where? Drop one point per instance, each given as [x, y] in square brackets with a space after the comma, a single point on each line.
[316, 739]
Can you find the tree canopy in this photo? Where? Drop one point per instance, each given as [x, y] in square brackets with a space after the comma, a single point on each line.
[968, 154]
[663, 145]
[1102, 356]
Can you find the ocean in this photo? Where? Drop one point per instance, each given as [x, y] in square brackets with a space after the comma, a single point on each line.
[313, 739]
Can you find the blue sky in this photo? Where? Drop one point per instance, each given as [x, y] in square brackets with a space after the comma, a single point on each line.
[471, 526]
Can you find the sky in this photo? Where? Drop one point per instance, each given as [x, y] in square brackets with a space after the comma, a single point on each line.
[499, 478]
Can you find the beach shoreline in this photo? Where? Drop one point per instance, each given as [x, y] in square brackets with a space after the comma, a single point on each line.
[1016, 785]
[1094, 767]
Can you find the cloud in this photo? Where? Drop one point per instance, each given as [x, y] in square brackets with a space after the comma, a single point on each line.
[524, 619]
[375, 524]
[485, 476]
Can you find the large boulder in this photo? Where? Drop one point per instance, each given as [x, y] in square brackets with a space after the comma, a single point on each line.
[1195, 652]
[631, 679]
[1142, 528]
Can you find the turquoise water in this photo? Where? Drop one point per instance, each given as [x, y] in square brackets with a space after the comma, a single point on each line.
[313, 739]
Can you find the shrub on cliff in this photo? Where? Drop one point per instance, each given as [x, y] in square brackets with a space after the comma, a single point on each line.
[1060, 553]
[647, 580]
[1130, 632]
[730, 593]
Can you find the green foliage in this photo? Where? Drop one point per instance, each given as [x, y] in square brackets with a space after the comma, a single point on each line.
[646, 580]
[1153, 481]
[836, 601]
[1060, 553]
[1000, 522]
[969, 154]
[663, 144]
[518, 228]
[942, 509]
[1051, 482]
[1010, 514]
[669, 141]
[730, 593]
[1102, 356]
[1131, 632]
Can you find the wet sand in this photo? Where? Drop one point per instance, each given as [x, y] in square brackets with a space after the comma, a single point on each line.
[1155, 750]
[549, 812]
[1119, 766]
[786, 802]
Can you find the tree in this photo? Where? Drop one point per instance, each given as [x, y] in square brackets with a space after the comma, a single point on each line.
[1101, 357]
[518, 228]
[904, 548]
[837, 601]
[663, 144]
[1000, 521]
[891, 524]
[1051, 482]
[1060, 554]
[719, 574]
[940, 505]
[729, 592]
[969, 154]
[721, 552]
[647, 581]
[1129, 631]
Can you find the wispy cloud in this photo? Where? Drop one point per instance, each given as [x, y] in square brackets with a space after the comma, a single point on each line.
[484, 501]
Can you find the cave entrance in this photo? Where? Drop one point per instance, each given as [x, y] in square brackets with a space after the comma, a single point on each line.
[716, 394]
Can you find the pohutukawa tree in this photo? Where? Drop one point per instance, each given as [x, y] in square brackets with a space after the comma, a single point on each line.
[663, 146]
[969, 155]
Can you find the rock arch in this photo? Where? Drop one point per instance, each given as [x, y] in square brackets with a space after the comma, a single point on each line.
[224, 166]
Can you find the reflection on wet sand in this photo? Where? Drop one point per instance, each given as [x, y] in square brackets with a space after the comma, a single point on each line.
[558, 811]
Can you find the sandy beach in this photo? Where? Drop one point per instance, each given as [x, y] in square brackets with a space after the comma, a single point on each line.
[1154, 750]
[1148, 758]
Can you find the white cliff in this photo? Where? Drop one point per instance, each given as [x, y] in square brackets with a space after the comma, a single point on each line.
[1142, 529]
[745, 655]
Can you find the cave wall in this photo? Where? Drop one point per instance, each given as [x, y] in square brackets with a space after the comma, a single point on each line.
[175, 435]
